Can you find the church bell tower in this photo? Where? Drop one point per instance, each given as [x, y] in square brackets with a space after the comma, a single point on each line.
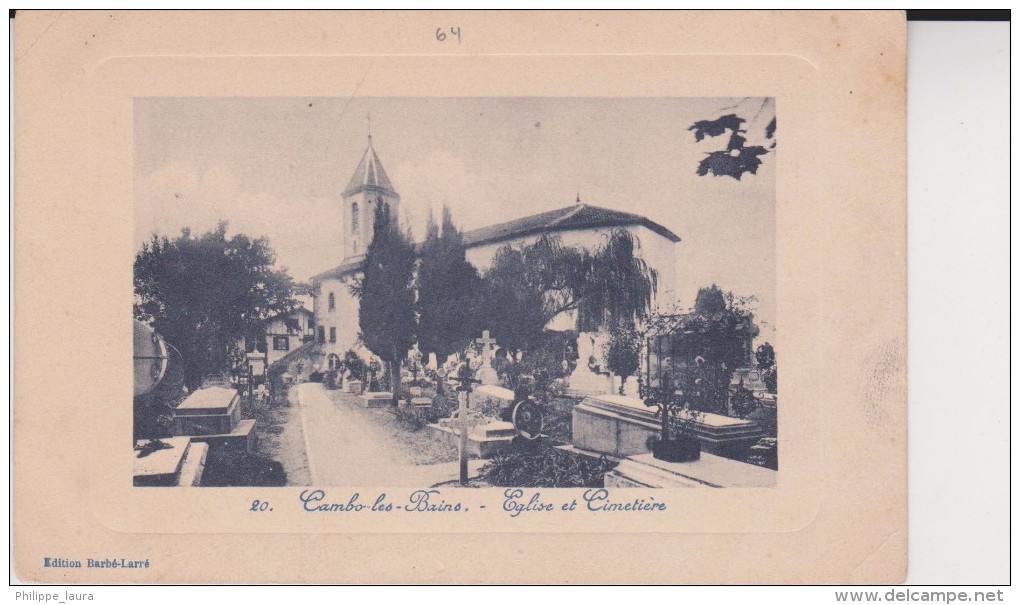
[367, 189]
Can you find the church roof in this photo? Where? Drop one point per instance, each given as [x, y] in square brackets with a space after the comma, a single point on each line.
[350, 265]
[569, 218]
[369, 174]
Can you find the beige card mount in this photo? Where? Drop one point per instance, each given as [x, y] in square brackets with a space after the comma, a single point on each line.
[445, 297]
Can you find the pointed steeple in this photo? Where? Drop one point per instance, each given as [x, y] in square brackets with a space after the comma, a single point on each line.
[367, 190]
[369, 175]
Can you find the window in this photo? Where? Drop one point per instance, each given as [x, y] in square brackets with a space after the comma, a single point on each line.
[332, 335]
[332, 302]
[321, 336]
[355, 218]
[281, 343]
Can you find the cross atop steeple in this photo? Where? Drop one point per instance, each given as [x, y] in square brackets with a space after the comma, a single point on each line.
[368, 120]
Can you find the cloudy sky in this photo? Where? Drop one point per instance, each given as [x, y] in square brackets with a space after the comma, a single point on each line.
[276, 167]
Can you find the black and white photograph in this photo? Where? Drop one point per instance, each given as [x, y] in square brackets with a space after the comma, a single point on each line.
[445, 292]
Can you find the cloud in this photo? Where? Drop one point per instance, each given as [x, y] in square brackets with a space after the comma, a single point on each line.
[442, 177]
[301, 231]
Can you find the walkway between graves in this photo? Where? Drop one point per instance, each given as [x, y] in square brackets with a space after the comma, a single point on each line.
[345, 448]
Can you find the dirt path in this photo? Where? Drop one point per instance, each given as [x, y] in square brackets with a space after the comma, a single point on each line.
[346, 447]
[280, 437]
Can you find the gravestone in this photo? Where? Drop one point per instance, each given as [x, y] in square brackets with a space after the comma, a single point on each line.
[421, 402]
[213, 415]
[486, 374]
[583, 382]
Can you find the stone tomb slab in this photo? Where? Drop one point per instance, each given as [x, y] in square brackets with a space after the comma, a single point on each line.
[162, 466]
[421, 402]
[483, 441]
[493, 398]
[620, 426]
[241, 438]
[710, 470]
[209, 411]
[181, 464]
[375, 399]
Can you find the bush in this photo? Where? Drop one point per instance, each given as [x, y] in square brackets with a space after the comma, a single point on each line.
[555, 358]
[443, 406]
[231, 469]
[539, 464]
[355, 365]
[765, 453]
[413, 419]
[624, 353]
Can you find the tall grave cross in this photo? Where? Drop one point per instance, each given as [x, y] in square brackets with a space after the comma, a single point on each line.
[467, 419]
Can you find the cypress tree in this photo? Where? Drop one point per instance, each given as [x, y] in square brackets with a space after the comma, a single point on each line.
[386, 314]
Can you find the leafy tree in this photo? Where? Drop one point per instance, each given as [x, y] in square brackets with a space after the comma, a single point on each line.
[738, 158]
[710, 300]
[624, 352]
[203, 294]
[386, 313]
[616, 285]
[449, 290]
[514, 296]
[528, 286]
[765, 357]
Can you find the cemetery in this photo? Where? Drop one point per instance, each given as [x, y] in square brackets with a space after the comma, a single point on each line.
[226, 432]
[550, 350]
[591, 436]
[542, 417]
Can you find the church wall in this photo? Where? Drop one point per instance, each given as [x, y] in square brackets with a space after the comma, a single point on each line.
[343, 318]
[660, 254]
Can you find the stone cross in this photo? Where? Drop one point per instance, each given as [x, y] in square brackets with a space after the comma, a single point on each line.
[486, 374]
[486, 341]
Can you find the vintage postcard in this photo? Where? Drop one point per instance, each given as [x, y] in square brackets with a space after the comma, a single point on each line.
[460, 297]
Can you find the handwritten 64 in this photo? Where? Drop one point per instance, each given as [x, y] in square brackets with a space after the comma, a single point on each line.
[441, 35]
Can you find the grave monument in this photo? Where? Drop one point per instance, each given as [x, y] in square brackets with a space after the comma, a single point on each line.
[588, 378]
[213, 415]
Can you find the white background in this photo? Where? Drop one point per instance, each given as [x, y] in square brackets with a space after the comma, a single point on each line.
[958, 274]
[958, 349]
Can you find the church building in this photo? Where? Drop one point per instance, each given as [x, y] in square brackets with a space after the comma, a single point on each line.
[579, 225]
